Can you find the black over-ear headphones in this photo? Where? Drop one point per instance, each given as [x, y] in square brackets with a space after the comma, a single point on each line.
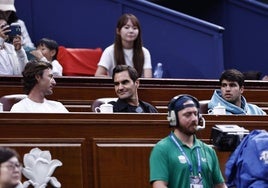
[173, 113]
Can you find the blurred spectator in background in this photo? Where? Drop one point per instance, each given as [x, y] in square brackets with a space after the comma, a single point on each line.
[8, 10]
[126, 50]
[47, 51]
[12, 56]
[255, 75]
[10, 169]
[265, 78]
[252, 75]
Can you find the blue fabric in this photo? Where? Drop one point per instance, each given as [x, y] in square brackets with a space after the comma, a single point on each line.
[248, 164]
[247, 108]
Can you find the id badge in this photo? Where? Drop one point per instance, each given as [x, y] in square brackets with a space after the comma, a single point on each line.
[196, 182]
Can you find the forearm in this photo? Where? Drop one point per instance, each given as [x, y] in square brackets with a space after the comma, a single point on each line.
[159, 184]
[221, 185]
[22, 58]
[147, 73]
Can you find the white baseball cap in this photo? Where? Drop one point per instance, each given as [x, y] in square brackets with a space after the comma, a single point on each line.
[7, 5]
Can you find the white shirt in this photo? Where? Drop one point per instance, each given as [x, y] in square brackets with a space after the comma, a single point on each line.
[48, 106]
[56, 66]
[12, 62]
[107, 59]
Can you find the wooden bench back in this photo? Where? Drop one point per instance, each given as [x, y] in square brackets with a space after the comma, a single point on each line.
[103, 150]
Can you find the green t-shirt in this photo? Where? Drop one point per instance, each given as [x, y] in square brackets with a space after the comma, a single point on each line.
[167, 163]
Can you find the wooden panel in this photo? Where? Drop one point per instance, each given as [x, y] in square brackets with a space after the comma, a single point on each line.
[112, 149]
[122, 162]
[223, 157]
[119, 124]
[68, 151]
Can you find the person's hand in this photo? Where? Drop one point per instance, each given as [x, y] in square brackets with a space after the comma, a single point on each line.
[4, 29]
[37, 53]
[17, 42]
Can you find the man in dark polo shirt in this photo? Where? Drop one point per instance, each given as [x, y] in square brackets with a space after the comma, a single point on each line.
[126, 85]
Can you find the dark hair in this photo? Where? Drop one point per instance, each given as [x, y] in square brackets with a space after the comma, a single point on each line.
[131, 71]
[138, 55]
[7, 153]
[252, 75]
[3, 17]
[12, 18]
[32, 69]
[50, 44]
[234, 76]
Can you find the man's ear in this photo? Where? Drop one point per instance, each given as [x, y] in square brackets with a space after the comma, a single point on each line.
[37, 77]
[137, 83]
[242, 89]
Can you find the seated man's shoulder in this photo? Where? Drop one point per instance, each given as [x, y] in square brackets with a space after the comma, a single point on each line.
[112, 102]
[119, 105]
[20, 106]
[56, 103]
[148, 107]
[255, 110]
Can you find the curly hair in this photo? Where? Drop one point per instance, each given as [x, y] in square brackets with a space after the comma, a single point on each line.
[32, 69]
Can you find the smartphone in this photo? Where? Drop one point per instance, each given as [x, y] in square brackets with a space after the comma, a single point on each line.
[15, 30]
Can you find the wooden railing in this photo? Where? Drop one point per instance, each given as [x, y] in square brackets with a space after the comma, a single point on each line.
[103, 150]
[78, 93]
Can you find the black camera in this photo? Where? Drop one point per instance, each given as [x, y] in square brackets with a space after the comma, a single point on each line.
[227, 137]
[15, 30]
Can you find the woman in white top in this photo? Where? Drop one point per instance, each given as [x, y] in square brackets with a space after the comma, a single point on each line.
[8, 10]
[127, 49]
[13, 57]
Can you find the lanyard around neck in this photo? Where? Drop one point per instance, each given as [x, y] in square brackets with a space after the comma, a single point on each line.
[187, 159]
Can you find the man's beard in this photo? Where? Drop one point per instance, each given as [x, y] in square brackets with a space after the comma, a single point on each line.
[186, 130]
